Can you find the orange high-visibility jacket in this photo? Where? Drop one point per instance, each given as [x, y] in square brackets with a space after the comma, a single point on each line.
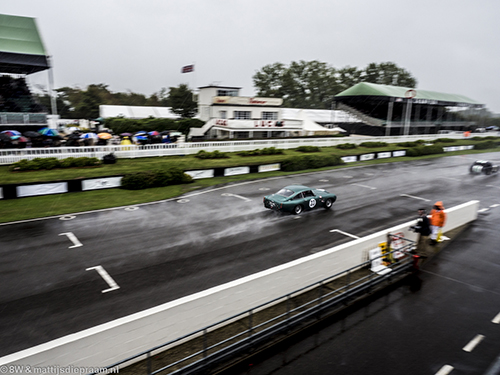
[438, 217]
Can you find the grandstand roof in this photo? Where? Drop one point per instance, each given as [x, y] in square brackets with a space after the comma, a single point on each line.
[21, 47]
[422, 96]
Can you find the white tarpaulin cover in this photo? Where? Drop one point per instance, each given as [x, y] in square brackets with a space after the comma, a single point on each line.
[42, 189]
[101, 183]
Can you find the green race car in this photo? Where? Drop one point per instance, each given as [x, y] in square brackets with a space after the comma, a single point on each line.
[298, 198]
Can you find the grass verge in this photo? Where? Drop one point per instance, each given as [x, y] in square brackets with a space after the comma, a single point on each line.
[60, 204]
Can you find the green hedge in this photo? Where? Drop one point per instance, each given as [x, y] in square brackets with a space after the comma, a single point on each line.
[308, 149]
[202, 154]
[51, 163]
[374, 144]
[156, 178]
[298, 163]
[425, 150]
[346, 146]
[411, 144]
[485, 145]
[259, 152]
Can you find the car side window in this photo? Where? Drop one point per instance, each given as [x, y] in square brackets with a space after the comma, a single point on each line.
[308, 193]
[297, 196]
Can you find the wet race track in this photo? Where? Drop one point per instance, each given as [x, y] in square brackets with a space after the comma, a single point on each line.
[62, 275]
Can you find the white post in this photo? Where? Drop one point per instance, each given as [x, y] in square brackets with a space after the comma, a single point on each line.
[53, 102]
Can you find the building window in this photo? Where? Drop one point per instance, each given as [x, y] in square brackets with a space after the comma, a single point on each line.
[223, 114]
[242, 115]
[269, 115]
[227, 92]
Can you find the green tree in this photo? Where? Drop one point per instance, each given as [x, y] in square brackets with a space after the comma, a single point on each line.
[388, 73]
[181, 102]
[314, 84]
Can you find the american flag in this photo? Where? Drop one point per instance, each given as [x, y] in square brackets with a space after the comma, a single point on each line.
[187, 69]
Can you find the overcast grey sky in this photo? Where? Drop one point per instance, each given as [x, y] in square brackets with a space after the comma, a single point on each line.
[450, 46]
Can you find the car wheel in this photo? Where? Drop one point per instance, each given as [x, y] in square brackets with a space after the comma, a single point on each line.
[297, 209]
[328, 204]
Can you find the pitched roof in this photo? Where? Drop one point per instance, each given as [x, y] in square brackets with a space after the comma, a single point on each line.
[372, 89]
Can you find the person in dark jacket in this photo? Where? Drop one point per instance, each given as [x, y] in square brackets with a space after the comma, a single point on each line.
[423, 228]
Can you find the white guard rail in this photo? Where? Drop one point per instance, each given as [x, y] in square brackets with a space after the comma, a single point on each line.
[122, 338]
[10, 156]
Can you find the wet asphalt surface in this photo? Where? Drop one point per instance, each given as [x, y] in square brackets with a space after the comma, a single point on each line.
[163, 251]
[448, 323]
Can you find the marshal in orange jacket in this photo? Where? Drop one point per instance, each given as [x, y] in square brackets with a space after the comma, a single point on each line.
[438, 216]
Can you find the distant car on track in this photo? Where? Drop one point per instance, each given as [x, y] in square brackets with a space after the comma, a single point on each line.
[483, 167]
[298, 198]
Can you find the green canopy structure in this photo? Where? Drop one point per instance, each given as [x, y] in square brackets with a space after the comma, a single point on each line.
[21, 47]
[418, 96]
[393, 110]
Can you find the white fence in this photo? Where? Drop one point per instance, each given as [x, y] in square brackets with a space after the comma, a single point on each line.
[10, 156]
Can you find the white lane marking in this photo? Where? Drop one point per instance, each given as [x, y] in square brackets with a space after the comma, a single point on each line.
[73, 239]
[183, 201]
[344, 233]
[347, 176]
[445, 370]
[496, 320]
[473, 343]
[493, 186]
[132, 208]
[264, 188]
[483, 210]
[412, 196]
[494, 205]
[235, 195]
[101, 271]
[323, 180]
[366, 186]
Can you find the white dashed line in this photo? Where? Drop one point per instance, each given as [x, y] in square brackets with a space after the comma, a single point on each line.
[494, 205]
[101, 271]
[412, 196]
[473, 343]
[235, 195]
[344, 233]
[365, 186]
[496, 320]
[482, 210]
[133, 208]
[445, 370]
[183, 201]
[73, 239]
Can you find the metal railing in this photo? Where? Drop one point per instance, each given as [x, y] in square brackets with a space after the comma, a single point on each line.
[230, 337]
[10, 156]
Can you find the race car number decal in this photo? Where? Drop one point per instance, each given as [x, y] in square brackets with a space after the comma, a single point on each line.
[312, 203]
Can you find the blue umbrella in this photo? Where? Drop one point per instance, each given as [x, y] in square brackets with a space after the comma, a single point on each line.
[89, 136]
[142, 132]
[12, 133]
[141, 138]
[48, 132]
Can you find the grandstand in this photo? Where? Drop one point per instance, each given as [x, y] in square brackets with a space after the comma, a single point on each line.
[21, 53]
[392, 110]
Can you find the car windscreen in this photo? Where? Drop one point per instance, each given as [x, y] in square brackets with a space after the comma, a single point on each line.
[285, 192]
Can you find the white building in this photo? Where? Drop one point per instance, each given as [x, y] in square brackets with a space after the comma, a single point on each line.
[228, 115]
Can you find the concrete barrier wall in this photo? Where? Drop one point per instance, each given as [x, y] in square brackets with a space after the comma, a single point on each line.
[108, 343]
